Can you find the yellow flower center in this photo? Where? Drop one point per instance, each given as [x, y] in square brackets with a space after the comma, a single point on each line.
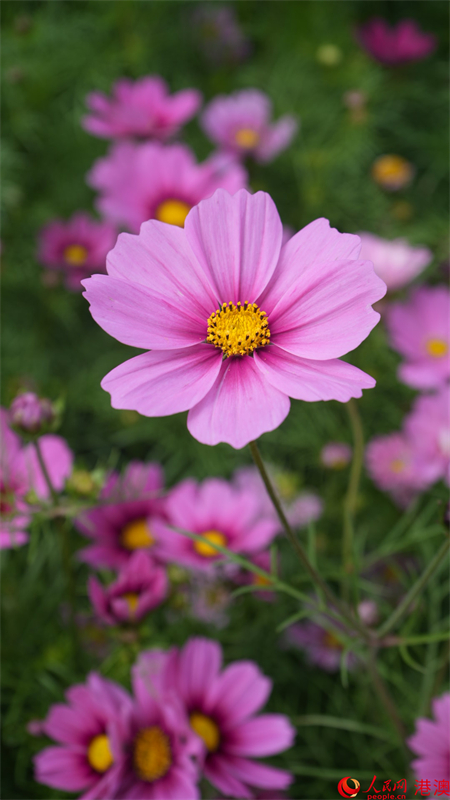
[437, 348]
[75, 255]
[397, 465]
[207, 729]
[260, 580]
[247, 138]
[152, 755]
[330, 640]
[238, 330]
[174, 212]
[136, 535]
[99, 753]
[207, 550]
[391, 168]
[132, 599]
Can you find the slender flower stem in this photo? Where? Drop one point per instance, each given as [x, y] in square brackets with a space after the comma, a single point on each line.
[351, 497]
[409, 598]
[43, 466]
[352, 622]
[384, 695]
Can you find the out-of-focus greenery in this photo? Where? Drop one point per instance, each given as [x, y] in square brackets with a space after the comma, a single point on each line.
[53, 54]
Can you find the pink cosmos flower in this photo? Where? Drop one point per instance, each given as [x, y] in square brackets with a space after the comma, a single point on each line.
[138, 182]
[398, 45]
[30, 413]
[431, 742]
[77, 248]
[247, 578]
[222, 706]
[396, 262]
[20, 473]
[428, 428]
[221, 38]
[141, 586]
[336, 455]
[240, 124]
[395, 466]
[140, 108]
[222, 513]
[87, 758]
[123, 522]
[235, 323]
[321, 647]
[419, 330]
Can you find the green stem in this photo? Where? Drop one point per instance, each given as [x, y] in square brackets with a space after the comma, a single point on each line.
[384, 695]
[43, 466]
[351, 498]
[415, 590]
[317, 579]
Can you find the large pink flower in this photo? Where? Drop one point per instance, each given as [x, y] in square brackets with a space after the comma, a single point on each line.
[88, 758]
[431, 743]
[141, 586]
[77, 247]
[224, 514]
[123, 521]
[236, 323]
[140, 108]
[138, 182]
[428, 428]
[402, 43]
[241, 124]
[396, 262]
[222, 706]
[419, 330]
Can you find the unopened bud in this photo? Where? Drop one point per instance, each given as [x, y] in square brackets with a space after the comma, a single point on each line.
[31, 414]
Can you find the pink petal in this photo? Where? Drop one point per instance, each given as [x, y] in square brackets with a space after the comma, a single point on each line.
[309, 380]
[217, 772]
[240, 691]
[264, 735]
[158, 384]
[58, 459]
[259, 774]
[199, 666]
[63, 768]
[237, 240]
[240, 407]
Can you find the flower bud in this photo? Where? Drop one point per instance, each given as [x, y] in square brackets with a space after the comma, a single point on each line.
[31, 414]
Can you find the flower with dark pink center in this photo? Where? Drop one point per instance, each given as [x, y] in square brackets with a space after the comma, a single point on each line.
[400, 44]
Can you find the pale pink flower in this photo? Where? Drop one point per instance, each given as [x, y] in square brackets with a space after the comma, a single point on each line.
[140, 587]
[223, 286]
[419, 329]
[395, 466]
[322, 648]
[402, 43]
[428, 428]
[336, 455]
[138, 182]
[395, 262]
[431, 743]
[140, 108]
[222, 705]
[76, 247]
[87, 758]
[240, 123]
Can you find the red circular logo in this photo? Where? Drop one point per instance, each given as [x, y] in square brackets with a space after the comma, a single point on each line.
[348, 787]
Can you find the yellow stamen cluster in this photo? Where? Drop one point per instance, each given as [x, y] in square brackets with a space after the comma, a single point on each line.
[99, 753]
[132, 600]
[437, 348]
[136, 535]
[152, 755]
[330, 640]
[207, 729]
[392, 171]
[397, 465]
[207, 550]
[247, 138]
[260, 580]
[238, 329]
[75, 255]
[174, 212]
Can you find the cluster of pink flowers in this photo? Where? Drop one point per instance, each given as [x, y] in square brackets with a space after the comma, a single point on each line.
[188, 717]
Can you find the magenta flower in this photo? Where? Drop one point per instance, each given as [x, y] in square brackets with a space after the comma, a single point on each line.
[240, 124]
[398, 45]
[322, 648]
[236, 324]
[140, 108]
[77, 248]
[222, 706]
[30, 413]
[87, 758]
[141, 586]
[428, 428]
[138, 182]
[396, 466]
[396, 262]
[123, 522]
[431, 742]
[418, 329]
[224, 514]
[336, 455]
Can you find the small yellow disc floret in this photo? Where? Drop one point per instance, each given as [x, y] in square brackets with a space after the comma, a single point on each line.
[238, 329]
